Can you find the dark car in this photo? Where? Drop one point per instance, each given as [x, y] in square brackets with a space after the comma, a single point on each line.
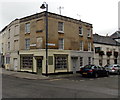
[93, 70]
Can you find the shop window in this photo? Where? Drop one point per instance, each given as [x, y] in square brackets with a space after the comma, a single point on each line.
[61, 62]
[26, 62]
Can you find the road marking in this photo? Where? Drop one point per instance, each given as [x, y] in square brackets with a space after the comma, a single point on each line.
[54, 79]
[111, 76]
[82, 80]
[98, 78]
[105, 77]
[91, 79]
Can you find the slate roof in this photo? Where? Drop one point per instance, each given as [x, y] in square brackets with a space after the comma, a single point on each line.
[116, 35]
[104, 40]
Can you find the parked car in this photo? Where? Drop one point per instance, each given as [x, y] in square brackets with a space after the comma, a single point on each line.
[93, 70]
[113, 68]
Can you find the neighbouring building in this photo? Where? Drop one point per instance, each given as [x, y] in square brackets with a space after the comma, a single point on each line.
[106, 50]
[0, 49]
[70, 44]
[10, 46]
[116, 36]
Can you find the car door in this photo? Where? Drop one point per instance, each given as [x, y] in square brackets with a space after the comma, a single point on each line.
[103, 70]
[99, 70]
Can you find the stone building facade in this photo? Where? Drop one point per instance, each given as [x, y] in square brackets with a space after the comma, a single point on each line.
[70, 44]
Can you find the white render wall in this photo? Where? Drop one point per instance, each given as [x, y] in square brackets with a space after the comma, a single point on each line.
[104, 48]
[13, 52]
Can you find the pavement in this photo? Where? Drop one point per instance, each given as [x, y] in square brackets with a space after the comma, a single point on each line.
[35, 76]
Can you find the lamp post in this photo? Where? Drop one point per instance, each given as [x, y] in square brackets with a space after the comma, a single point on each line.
[43, 6]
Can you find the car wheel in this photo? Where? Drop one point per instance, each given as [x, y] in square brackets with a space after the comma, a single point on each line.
[118, 72]
[96, 75]
[107, 74]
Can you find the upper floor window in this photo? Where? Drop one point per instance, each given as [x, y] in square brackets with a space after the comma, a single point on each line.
[16, 30]
[27, 43]
[80, 31]
[61, 43]
[16, 46]
[89, 32]
[81, 45]
[27, 28]
[89, 46]
[39, 42]
[8, 46]
[9, 33]
[61, 27]
[2, 46]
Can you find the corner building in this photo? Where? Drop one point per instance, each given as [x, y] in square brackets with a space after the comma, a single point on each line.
[70, 43]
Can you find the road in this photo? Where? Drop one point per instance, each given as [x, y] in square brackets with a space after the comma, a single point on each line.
[73, 87]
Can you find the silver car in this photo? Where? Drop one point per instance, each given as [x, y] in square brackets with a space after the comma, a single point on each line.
[114, 68]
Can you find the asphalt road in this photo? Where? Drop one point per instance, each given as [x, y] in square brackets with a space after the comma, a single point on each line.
[73, 87]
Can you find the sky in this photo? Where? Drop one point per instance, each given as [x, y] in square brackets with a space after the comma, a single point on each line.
[103, 14]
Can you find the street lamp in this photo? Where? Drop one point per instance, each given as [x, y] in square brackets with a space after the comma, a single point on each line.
[43, 6]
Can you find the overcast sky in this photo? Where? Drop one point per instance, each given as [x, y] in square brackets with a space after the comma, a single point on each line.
[103, 14]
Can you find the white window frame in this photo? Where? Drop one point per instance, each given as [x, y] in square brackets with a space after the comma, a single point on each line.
[81, 61]
[81, 31]
[62, 27]
[89, 60]
[61, 43]
[89, 46]
[8, 46]
[7, 60]
[89, 32]
[9, 31]
[27, 28]
[27, 44]
[81, 46]
[61, 62]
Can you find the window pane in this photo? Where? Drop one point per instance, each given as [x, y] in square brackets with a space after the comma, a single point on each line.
[60, 62]
[80, 31]
[81, 61]
[27, 45]
[60, 26]
[27, 28]
[61, 43]
[81, 45]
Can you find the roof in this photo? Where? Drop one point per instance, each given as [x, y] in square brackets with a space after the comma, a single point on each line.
[38, 15]
[116, 35]
[104, 40]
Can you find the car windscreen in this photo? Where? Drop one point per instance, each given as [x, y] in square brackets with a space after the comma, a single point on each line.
[89, 66]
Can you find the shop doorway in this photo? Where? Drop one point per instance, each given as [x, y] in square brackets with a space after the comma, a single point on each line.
[39, 65]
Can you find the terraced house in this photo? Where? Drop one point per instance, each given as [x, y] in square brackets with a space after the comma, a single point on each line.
[10, 46]
[107, 50]
[70, 43]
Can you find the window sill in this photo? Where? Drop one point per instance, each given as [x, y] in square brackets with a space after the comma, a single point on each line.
[27, 33]
[61, 32]
[81, 35]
